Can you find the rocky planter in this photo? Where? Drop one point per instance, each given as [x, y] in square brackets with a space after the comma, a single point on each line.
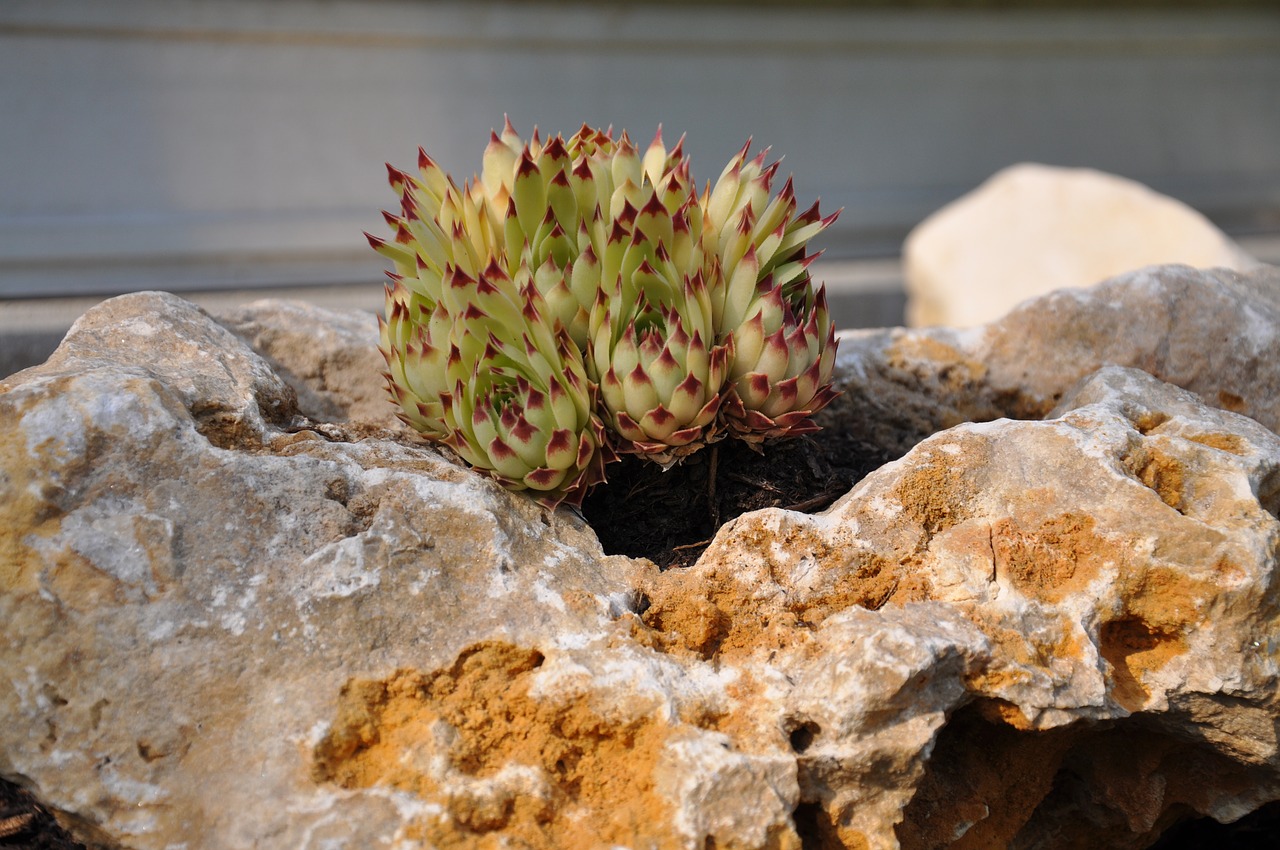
[241, 608]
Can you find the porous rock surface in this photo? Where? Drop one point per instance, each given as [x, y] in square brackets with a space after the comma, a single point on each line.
[1032, 228]
[233, 618]
[1213, 332]
[327, 360]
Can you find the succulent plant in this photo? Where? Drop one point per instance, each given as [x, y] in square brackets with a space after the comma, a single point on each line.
[653, 350]
[579, 297]
[475, 359]
[783, 340]
[784, 353]
[653, 344]
[415, 343]
[520, 405]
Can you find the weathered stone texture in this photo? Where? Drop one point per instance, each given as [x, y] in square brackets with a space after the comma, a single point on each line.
[325, 356]
[241, 608]
[1216, 333]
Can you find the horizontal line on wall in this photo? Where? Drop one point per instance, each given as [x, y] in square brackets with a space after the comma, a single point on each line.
[1098, 42]
[853, 260]
[194, 272]
[45, 241]
[54, 238]
[1181, 47]
[186, 275]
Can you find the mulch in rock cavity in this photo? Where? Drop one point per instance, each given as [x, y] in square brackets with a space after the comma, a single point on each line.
[670, 517]
[27, 825]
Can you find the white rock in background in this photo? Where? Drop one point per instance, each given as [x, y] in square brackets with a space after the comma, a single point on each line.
[1031, 229]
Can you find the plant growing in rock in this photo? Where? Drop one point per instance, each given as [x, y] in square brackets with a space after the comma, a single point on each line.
[580, 299]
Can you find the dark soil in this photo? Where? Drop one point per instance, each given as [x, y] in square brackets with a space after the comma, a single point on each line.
[26, 825]
[1258, 830]
[670, 517]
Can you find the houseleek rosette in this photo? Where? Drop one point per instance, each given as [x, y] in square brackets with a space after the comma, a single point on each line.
[765, 303]
[559, 202]
[660, 381]
[580, 296]
[653, 338]
[611, 237]
[784, 352]
[519, 404]
[415, 343]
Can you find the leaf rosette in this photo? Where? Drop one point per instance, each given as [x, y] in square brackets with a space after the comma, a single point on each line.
[765, 304]
[580, 297]
[414, 340]
[520, 405]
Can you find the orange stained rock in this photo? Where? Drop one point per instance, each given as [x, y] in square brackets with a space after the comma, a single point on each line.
[938, 490]
[431, 734]
[1053, 558]
[714, 612]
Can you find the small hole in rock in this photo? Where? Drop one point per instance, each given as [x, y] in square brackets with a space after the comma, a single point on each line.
[801, 737]
[338, 491]
[1269, 494]
[1150, 421]
[51, 693]
[1231, 401]
[148, 752]
[815, 828]
[1131, 646]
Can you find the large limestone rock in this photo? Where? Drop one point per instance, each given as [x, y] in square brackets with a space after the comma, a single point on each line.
[1213, 332]
[327, 358]
[1031, 229]
[233, 619]
[1117, 563]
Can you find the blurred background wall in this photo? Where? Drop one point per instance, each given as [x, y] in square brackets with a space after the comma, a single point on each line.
[194, 145]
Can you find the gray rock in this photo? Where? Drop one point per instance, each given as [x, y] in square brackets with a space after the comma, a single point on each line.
[241, 609]
[327, 357]
[1214, 332]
